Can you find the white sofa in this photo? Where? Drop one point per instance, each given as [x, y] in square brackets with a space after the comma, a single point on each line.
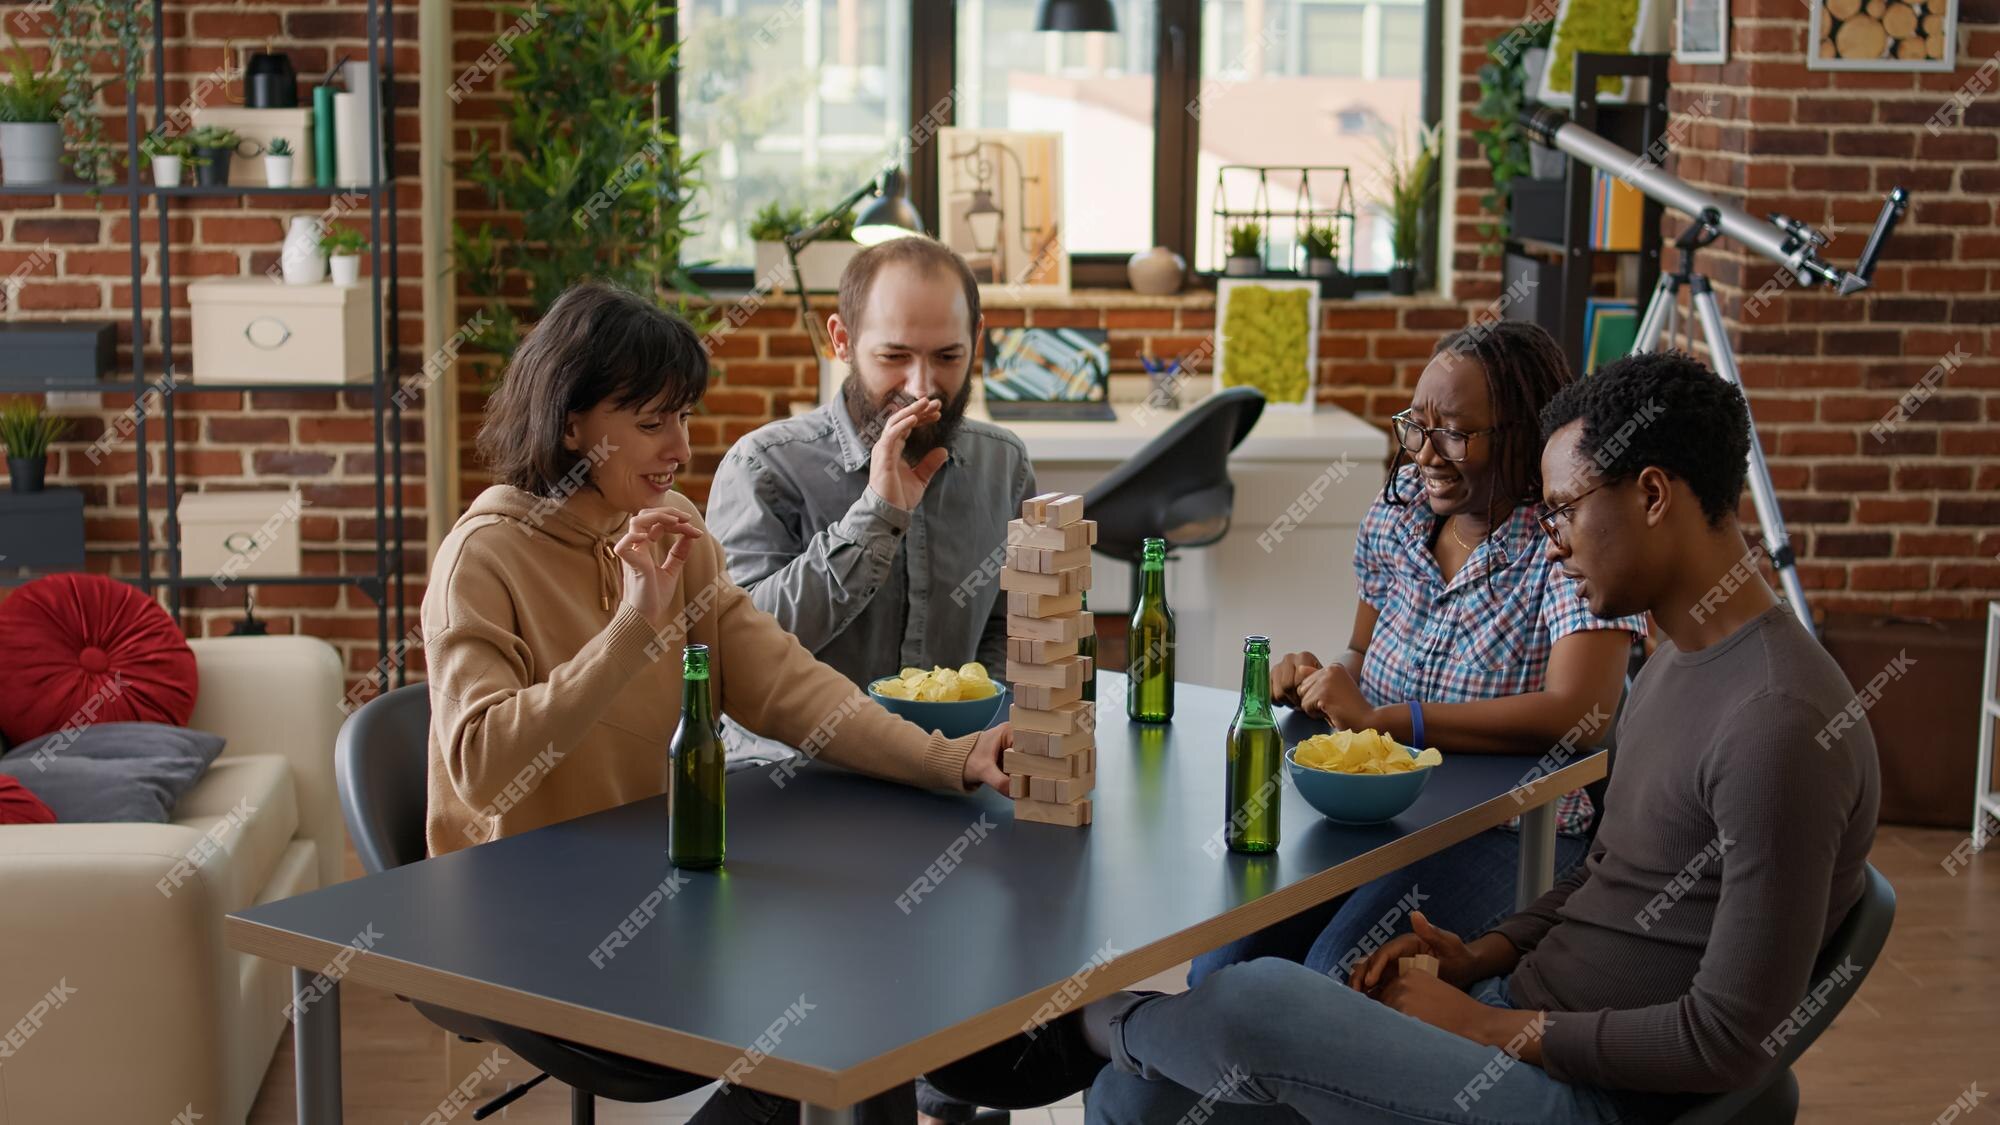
[157, 1018]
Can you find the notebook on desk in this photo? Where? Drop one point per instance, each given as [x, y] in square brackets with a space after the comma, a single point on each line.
[1048, 374]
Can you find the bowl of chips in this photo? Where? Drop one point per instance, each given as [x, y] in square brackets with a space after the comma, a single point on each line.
[952, 701]
[1359, 776]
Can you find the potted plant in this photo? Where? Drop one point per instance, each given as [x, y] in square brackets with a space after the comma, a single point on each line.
[27, 433]
[1320, 243]
[31, 140]
[214, 146]
[1409, 177]
[278, 163]
[1507, 81]
[821, 262]
[167, 155]
[1246, 258]
[343, 246]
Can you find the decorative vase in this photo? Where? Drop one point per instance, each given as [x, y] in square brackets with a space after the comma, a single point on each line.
[166, 171]
[1321, 267]
[1158, 272]
[1403, 280]
[30, 152]
[303, 263]
[278, 170]
[214, 172]
[1244, 265]
[346, 268]
[27, 474]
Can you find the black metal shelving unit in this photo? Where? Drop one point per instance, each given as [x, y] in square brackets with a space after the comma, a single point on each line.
[385, 583]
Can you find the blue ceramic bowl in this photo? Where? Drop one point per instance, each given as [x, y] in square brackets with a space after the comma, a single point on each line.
[953, 720]
[1357, 798]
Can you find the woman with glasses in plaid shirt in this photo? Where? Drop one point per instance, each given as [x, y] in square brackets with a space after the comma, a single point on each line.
[1465, 638]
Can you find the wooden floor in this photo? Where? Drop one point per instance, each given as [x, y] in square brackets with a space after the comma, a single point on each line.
[1921, 1034]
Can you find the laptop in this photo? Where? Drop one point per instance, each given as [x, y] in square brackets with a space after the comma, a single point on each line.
[1048, 374]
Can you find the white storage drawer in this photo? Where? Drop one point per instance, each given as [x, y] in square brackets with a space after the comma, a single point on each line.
[240, 534]
[252, 329]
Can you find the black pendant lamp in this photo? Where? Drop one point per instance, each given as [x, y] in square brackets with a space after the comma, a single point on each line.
[1076, 15]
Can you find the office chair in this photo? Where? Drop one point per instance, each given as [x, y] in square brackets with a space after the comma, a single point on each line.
[1177, 488]
[381, 758]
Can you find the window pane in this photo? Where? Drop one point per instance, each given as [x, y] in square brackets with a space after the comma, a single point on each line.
[1095, 89]
[795, 101]
[1303, 82]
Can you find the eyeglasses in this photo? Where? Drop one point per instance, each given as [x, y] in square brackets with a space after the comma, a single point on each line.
[1450, 444]
[1555, 521]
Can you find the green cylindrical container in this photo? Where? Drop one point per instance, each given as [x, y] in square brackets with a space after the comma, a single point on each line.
[699, 766]
[1150, 642]
[1255, 788]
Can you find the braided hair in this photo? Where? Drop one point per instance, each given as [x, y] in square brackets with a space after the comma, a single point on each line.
[1524, 368]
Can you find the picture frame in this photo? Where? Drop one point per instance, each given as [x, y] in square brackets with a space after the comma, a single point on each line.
[1000, 198]
[1881, 34]
[1701, 31]
[1269, 319]
[1648, 32]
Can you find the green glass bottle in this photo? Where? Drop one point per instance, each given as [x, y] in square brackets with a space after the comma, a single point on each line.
[1149, 644]
[1256, 785]
[1087, 646]
[699, 766]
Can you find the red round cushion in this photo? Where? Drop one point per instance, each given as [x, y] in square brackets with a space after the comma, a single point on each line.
[77, 649]
[18, 805]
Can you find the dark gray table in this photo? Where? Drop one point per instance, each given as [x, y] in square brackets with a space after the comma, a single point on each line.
[825, 934]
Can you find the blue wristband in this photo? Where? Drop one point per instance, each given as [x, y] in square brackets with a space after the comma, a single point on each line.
[1416, 725]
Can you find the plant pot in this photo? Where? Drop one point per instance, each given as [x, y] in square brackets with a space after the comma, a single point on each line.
[1334, 282]
[1321, 267]
[346, 268]
[31, 152]
[278, 170]
[27, 474]
[1545, 163]
[1402, 280]
[1243, 265]
[820, 265]
[166, 171]
[215, 173]
[1534, 60]
[300, 258]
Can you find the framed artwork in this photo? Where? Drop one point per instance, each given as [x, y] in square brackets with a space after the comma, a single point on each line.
[1000, 191]
[1267, 337]
[1910, 35]
[1702, 30]
[1600, 27]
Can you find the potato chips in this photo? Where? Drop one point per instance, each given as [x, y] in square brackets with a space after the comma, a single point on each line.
[940, 684]
[1361, 751]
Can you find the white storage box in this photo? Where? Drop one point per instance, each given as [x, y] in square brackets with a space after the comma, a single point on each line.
[240, 534]
[260, 127]
[256, 330]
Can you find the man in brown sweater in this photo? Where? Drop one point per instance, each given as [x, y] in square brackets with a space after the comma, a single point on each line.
[1669, 964]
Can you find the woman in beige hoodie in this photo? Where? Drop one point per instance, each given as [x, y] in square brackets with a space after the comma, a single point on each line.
[559, 604]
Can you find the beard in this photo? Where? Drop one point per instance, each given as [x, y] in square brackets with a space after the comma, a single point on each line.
[872, 414]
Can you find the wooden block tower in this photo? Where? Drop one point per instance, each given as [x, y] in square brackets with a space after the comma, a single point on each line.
[1053, 765]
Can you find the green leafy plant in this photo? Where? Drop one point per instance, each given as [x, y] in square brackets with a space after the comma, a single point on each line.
[1409, 177]
[1599, 26]
[85, 32]
[214, 136]
[1321, 240]
[1245, 240]
[28, 432]
[774, 221]
[1503, 82]
[601, 186]
[29, 98]
[343, 241]
[1265, 342]
[278, 147]
[161, 144]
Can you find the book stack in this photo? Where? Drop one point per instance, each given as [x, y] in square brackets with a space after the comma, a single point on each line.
[1053, 765]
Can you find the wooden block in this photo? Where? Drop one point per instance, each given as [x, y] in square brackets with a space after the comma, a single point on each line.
[1072, 581]
[1418, 963]
[1034, 765]
[1046, 745]
[1043, 605]
[1035, 508]
[1074, 814]
[1047, 560]
[1040, 697]
[1063, 512]
[1030, 651]
[1060, 790]
[1082, 533]
[1061, 627]
[1020, 785]
[1066, 719]
[1069, 671]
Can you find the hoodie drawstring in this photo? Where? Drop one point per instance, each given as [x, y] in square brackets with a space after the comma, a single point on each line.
[607, 572]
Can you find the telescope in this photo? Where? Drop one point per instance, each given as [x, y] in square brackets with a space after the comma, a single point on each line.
[1787, 241]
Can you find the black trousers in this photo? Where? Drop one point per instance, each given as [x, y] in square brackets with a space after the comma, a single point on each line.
[1023, 1072]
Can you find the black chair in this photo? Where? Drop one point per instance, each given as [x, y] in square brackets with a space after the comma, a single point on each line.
[1860, 936]
[1177, 488]
[380, 762]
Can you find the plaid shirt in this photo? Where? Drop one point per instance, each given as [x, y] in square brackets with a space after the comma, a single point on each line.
[1486, 633]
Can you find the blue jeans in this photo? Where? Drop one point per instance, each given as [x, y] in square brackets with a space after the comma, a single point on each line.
[1334, 1055]
[1465, 889]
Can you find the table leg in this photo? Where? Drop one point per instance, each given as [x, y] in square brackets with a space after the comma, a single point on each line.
[815, 1115]
[316, 1050]
[1538, 854]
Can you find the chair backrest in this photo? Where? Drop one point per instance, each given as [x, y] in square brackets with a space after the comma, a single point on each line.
[1177, 487]
[380, 763]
